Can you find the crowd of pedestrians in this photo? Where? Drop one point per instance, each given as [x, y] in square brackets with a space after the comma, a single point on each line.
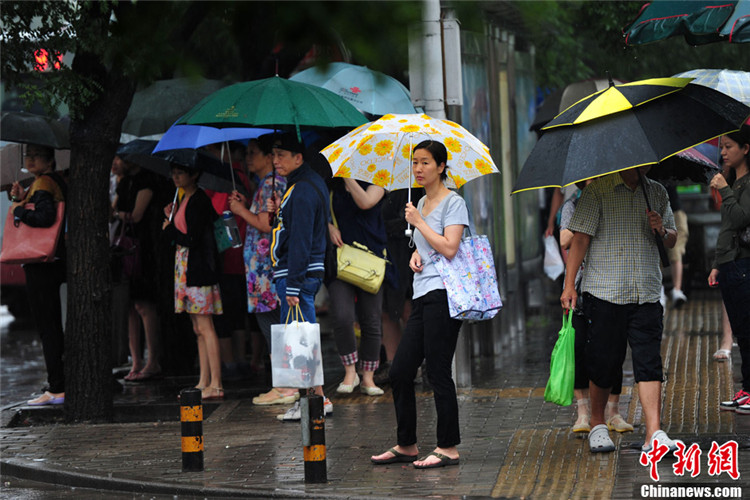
[293, 217]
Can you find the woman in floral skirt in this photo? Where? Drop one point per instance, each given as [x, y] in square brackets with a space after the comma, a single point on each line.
[197, 272]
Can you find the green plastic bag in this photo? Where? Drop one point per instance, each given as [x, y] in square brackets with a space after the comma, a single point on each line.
[562, 365]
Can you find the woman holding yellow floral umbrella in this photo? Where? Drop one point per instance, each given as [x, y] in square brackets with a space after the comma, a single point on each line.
[379, 152]
[431, 333]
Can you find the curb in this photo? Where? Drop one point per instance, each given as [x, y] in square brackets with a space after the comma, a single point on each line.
[23, 469]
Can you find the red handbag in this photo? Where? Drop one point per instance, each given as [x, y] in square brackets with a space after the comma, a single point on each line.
[23, 244]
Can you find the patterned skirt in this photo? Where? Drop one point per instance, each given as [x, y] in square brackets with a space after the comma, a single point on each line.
[193, 299]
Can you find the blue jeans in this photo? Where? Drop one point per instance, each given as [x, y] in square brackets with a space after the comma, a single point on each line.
[307, 293]
[734, 282]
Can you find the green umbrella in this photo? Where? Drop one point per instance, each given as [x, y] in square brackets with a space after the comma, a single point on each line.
[274, 103]
[699, 21]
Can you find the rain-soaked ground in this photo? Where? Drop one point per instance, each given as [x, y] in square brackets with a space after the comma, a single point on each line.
[22, 371]
[23, 375]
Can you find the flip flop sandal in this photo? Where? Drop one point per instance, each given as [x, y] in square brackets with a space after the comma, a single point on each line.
[723, 355]
[444, 460]
[396, 458]
[131, 376]
[599, 440]
[213, 393]
[145, 376]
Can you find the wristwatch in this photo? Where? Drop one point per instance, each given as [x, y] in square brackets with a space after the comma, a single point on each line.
[665, 235]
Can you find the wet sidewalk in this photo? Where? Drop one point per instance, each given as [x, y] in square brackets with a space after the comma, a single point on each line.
[514, 445]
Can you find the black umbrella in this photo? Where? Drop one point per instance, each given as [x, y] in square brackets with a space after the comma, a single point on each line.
[642, 135]
[625, 127]
[155, 108]
[561, 99]
[29, 128]
[215, 174]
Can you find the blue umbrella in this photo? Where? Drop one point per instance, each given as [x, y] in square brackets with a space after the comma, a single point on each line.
[368, 90]
[195, 136]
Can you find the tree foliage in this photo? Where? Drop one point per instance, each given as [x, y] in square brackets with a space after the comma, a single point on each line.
[117, 45]
[114, 47]
[579, 39]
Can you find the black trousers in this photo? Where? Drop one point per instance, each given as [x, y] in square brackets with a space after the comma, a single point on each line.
[43, 283]
[734, 282]
[431, 335]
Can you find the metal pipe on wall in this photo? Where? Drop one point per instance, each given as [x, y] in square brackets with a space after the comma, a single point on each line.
[432, 60]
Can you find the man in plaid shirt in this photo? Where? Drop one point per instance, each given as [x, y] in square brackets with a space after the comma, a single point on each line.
[621, 286]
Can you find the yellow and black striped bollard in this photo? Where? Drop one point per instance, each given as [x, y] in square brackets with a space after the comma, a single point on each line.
[191, 419]
[313, 438]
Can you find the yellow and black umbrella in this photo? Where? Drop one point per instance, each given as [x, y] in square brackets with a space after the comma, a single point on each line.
[576, 149]
[616, 98]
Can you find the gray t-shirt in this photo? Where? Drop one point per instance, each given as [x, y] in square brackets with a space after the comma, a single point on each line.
[455, 213]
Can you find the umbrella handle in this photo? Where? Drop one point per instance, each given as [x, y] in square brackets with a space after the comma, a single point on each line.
[408, 232]
[174, 202]
[659, 241]
[231, 169]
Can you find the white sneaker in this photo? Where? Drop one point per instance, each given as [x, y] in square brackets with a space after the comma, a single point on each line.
[678, 298]
[295, 412]
[662, 438]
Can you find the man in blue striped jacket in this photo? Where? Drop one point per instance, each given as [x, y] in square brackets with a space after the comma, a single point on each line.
[298, 244]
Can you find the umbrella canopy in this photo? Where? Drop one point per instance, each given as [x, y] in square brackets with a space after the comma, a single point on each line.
[699, 21]
[735, 84]
[155, 108]
[737, 27]
[274, 103]
[691, 164]
[368, 90]
[560, 100]
[215, 174]
[380, 151]
[12, 165]
[617, 98]
[643, 135]
[29, 128]
[195, 136]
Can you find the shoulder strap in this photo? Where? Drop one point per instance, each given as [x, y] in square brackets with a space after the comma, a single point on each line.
[333, 216]
[470, 228]
[60, 182]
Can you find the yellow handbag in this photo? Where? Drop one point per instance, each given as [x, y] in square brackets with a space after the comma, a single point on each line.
[360, 267]
[357, 265]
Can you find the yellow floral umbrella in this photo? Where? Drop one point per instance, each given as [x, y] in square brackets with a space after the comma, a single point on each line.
[379, 152]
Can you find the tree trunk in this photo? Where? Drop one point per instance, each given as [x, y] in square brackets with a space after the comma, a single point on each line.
[94, 136]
